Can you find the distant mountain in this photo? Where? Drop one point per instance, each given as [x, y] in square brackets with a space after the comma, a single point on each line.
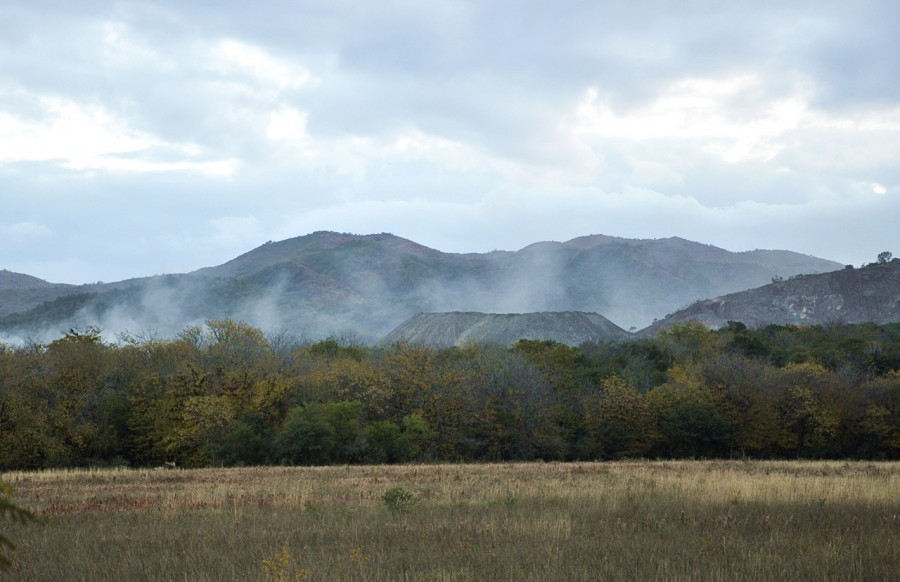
[869, 294]
[440, 330]
[328, 282]
[10, 280]
[20, 292]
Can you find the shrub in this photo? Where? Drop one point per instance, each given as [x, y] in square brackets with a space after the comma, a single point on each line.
[399, 500]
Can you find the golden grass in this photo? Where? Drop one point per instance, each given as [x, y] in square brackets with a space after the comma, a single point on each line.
[682, 520]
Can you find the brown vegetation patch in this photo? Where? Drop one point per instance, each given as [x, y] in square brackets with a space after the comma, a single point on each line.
[548, 521]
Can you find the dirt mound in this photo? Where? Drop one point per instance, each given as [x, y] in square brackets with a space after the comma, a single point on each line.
[456, 328]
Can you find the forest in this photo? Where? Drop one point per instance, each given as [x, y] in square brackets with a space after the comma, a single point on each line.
[227, 394]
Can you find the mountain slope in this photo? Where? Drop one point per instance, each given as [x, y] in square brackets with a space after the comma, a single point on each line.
[869, 294]
[20, 292]
[10, 280]
[329, 282]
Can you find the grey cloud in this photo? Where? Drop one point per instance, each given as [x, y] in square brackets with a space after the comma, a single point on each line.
[497, 78]
[493, 73]
[852, 57]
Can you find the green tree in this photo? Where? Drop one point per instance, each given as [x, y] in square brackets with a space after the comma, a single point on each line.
[247, 442]
[321, 433]
[694, 430]
[306, 437]
[387, 442]
[417, 434]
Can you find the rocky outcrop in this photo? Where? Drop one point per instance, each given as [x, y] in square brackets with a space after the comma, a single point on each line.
[867, 295]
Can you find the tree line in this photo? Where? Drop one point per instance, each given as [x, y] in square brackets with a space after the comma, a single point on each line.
[227, 394]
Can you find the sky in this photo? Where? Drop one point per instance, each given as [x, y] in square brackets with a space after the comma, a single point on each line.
[140, 138]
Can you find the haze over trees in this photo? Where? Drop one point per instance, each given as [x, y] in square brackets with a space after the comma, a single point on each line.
[227, 394]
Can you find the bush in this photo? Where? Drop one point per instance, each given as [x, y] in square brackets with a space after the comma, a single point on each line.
[399, 500]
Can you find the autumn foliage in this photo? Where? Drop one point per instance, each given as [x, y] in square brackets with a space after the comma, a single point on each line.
[228, 394]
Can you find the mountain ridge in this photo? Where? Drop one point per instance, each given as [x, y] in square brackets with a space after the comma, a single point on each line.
[12, 280]
[328, 282]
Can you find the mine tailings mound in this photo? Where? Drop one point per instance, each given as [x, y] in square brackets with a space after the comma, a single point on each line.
[441, 330]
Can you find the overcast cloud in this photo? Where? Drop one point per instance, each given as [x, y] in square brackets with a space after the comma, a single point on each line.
[144, 138]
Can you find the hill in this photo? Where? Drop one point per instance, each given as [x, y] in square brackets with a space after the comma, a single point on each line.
[20, 292]
[867, 295]
[440, 330]
[10, 280]
[327, 282]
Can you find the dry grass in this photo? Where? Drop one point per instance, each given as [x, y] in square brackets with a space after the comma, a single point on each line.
[579, 521]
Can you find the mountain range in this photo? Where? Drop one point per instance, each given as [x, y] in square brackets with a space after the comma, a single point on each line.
[331, 283]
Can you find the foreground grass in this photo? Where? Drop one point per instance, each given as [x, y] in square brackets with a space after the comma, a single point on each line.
[580, 521]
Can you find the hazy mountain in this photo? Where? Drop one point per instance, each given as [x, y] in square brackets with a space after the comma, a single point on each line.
[870, 294]
[441, 330]
[20, 292]
[10, 280]
[327, 282]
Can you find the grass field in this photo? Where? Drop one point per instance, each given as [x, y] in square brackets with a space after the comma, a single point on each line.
[716, 520]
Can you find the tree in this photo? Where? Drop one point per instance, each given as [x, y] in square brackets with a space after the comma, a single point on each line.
[877, 419]
[384, 443]
[743, 391]
[203, 423]
[248, 442]
[689, 341]
[321, 434]
[387, 442]
[555, 360]
[621, 419]
[435, 387]
[884, 257]
[75, 370]
[28, 435]
[344, 378]
[694, 430]
[807, 420]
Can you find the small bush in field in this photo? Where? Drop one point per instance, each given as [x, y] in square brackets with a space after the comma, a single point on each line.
[398, 499]
[278, 568]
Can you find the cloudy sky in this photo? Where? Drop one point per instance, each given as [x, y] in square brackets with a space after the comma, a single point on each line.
[139, 138]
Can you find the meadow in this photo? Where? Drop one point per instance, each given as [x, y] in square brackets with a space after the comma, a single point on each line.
[636, 520]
